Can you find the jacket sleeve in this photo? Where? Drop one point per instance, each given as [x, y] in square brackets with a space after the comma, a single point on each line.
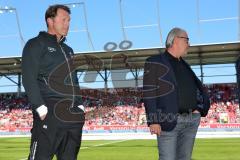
[149, 92]
[30, 70]
[203, 100]
[78, 98]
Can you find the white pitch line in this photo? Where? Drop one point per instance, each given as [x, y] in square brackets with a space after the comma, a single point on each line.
[103, 144]
[97, 145]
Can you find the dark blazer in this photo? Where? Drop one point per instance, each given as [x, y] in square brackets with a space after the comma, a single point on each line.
[160, 93]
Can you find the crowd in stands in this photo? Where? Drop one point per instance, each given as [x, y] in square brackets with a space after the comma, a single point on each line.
[14, 112]
[119, 107]
[224, 104]
[115, 115]
[111, 97]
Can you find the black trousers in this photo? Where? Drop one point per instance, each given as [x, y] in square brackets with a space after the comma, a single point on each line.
[49, 139]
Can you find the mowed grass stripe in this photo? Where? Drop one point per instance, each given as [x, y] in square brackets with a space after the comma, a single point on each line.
[205, 149]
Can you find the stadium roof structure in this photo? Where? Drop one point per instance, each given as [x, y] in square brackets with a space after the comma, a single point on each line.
[223, 53]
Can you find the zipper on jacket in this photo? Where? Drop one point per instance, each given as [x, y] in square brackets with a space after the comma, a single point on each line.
[73, 91]
[45, 81]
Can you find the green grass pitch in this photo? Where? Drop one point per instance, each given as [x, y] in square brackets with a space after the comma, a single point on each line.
[205, 149]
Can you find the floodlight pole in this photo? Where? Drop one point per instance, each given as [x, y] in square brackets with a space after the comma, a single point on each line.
[11, 9]
[85, 19]
[19, 28]
[122, 21]
[123, 27]
[239, 20]
[198, 21]
[159, 26]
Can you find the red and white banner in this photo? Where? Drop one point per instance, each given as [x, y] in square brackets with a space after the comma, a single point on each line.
[218, 125]
[206, 125]
[123, 127]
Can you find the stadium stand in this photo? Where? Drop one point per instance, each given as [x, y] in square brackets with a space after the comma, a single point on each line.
[121, 110]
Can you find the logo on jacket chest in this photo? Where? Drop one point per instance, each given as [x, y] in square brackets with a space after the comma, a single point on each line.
[51, 49]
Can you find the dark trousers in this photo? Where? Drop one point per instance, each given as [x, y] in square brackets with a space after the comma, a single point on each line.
[49, 139]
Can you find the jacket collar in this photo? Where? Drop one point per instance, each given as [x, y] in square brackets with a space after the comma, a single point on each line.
[51, 37]
[171, 57]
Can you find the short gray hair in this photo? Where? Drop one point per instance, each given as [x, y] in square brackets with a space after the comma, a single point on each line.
[172, 34]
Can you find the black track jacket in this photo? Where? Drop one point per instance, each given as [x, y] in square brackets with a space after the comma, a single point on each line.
[48, 72]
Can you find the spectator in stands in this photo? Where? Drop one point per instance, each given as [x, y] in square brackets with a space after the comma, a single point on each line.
[171, 92]
[51, 86]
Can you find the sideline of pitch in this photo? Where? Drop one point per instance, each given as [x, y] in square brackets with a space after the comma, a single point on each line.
[143, 135]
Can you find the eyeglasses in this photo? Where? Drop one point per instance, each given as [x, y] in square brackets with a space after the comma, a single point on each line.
[184, 38]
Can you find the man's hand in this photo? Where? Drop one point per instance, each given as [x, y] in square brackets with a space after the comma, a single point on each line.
[82, 108]
[155, 129]
[42, 111]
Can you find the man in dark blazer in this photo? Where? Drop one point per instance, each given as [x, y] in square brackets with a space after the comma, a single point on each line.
[174, 98]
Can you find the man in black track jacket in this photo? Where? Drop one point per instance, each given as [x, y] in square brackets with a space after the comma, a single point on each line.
[51, 84]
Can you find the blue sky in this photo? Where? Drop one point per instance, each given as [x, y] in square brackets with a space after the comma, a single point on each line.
[104, 23]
